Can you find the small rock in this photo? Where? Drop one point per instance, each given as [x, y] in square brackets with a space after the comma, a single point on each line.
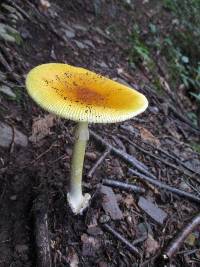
[89, 43]
[154, 212]
[132, 150]
[69, 34]
[104, 218]
[109, 203]
[6, 136]
[7, 91]
[14, 197]
[81, 45]
[80, 27]
[103, 65]
[153, 110]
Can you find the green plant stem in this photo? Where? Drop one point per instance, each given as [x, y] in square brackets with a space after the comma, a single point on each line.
[82, 136]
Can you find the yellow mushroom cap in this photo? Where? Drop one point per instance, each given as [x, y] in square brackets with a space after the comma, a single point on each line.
[81, 95]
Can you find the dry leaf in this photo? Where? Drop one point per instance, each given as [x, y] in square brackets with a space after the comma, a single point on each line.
[147, 136]
[191, 239]
[72, 258]
[90, 246]
[151, 246]
[129, 201]
[41, 127]
[165, 84]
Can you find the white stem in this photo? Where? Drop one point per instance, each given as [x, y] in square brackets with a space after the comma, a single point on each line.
[76, 200]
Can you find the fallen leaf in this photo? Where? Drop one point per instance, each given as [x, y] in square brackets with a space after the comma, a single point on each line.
[191, 239]
[129, 200]
[90, 245]
[41, 127]
[147, 136]
[171, 129]
[72, 258]
[151, 246]
[165, 84]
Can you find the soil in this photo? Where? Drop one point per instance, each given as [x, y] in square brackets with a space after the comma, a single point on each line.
[87, 34]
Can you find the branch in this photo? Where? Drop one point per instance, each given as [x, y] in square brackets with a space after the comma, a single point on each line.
[124, 186]
[122, 239]
[176, 243]
[163, 160]
[98, 162]
[41, 231]
[122, 154]
[174, 190]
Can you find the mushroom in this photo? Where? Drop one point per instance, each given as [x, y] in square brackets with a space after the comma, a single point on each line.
[85, 97]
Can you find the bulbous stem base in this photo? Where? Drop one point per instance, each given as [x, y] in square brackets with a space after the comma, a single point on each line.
[78, 206]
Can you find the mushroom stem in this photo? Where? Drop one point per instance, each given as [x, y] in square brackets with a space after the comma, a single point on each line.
[76, 200]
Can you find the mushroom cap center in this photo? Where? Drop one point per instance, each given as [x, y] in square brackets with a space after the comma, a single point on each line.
[90, 97]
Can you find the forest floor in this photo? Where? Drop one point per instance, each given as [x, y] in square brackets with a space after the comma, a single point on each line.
[36, 147]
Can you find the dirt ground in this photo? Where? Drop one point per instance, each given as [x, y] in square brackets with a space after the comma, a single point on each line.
[36, 161]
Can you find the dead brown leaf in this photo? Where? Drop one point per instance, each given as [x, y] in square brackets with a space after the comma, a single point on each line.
[129, 201]
[147, 136]
[90, 245]
[41, 127]
[72, 258]
[151, 246]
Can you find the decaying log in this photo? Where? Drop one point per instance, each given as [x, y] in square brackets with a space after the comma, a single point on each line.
[41, 231]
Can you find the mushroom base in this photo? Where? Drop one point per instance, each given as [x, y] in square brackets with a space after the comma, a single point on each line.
[78, 205]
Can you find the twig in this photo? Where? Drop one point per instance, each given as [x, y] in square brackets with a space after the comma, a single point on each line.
[185, 120]
[43, 153]
[176, 243]
[156, 157]
[98, 162]
[41, 231]
[12, 143]
[165, 186]
[5, 63]
[162, 151]
[18, 8]
[122, 239]
[119, 143]
[44, 19]
[124, 186]
[126, 157]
